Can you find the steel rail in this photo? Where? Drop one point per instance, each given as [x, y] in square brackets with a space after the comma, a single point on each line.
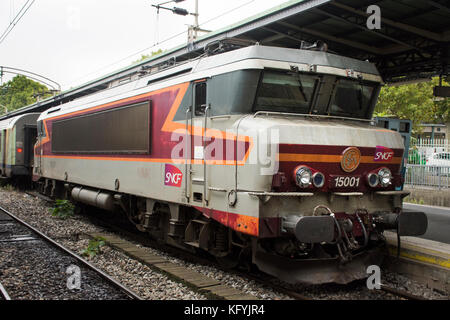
[105, 276]
[293, 294]
[4, 293]
[401, 293]
[186, 255]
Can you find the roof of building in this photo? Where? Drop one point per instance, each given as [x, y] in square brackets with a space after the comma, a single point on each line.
[413, 42]
[432, 125]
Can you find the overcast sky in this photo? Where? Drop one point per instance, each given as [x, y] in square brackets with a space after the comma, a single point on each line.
[75, 41]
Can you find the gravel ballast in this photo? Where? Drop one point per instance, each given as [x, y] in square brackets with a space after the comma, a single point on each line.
[34, 270]
[150, 284]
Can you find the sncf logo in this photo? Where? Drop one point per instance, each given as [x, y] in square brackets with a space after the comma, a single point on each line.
[383, 154]
[172, 176]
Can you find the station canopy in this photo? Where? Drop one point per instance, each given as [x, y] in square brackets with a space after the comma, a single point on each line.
[412, 43]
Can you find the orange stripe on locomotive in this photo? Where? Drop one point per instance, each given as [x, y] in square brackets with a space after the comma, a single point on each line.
[176, 93]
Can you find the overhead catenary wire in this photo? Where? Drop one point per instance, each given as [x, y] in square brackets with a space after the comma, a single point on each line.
[11, 13]
[163, 41]
[33, 78]
[41, 78]
[16, 19]
[11, 10]
[131, 55]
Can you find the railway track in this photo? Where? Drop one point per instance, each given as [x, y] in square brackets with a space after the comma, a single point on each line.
[186, 256]
[3, 293]
[31, 238]
[249, 276]
[127, 233]
[401, 293]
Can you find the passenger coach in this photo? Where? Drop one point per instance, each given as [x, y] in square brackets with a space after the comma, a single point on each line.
[18, 136]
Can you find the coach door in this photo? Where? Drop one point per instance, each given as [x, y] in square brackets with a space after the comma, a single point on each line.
[198, 169]
[38, 157]
[29, 142]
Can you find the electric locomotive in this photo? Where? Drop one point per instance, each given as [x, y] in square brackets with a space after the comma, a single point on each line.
[262, 155]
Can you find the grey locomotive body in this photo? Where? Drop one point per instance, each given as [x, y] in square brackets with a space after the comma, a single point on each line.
[261, 154]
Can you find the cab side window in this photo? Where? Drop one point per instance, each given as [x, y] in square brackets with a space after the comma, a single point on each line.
[40, 129]
[200, 98]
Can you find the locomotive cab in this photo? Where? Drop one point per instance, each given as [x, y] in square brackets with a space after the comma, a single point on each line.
[334, 186]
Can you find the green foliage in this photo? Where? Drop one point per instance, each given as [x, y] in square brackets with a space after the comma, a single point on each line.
[19, 91]
[414, 201]
[146, 56]
[414, 102]
[94, 247]
[63, 209]
[8, 187]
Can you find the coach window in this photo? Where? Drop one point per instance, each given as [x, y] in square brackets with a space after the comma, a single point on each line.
[200, 98]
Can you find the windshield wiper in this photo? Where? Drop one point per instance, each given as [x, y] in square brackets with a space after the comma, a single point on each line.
[300, 85]
[360, 96]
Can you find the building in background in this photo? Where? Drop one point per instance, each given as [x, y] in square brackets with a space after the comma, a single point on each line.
[434, 131]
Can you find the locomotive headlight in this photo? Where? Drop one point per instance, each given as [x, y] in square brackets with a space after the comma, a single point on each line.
[385, 177]
[303, 177]
[372, 179]
[318, 179]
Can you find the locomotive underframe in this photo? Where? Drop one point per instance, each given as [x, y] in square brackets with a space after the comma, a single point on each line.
[356, 242]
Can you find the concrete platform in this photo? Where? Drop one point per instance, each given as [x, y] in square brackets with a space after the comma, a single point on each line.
[429, 196]
[438, 221]
[424, 260]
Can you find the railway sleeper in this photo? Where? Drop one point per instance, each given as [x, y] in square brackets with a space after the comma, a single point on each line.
[168, 223]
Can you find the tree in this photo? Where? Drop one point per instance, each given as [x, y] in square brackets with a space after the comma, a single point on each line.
[414, 102]
[146, 56]
[20, 92]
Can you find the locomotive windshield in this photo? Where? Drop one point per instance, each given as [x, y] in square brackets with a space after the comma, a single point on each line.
[315, 94]
[351, 99]
[290, 92]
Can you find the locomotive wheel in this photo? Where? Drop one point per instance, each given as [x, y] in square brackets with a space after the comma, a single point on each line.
[231, 260]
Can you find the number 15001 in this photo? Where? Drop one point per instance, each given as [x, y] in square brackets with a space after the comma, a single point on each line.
[340, 182]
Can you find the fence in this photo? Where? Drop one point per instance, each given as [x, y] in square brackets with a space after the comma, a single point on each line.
[427, 176]
[420, 150]
[428, 163]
